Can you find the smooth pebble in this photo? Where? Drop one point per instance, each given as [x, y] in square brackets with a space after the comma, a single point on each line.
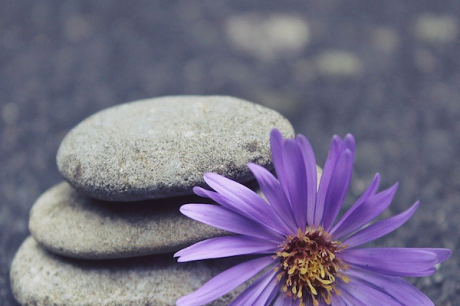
[71, 224]
[158, 148]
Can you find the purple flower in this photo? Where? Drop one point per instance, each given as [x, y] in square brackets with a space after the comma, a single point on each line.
[305, 257]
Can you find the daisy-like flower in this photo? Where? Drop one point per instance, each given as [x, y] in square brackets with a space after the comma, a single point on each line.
[304, 256]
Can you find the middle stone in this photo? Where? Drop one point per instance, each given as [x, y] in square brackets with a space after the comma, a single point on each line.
[71, 224]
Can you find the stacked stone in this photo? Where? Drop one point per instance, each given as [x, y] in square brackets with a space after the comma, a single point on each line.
[106, 236]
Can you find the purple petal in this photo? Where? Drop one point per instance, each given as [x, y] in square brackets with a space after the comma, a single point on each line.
[279, 301]
[230, 205]
[226, 203]
[334, 151]
[366, 212]
[269, 293]
[338, 187]
[234, 191]
[225, 282]
[277, 148]
[216, 197]
[338, 301]
[296, 182]
[349, 143]
[274, 294]
[253, 292]
[392, 261]
[247, 201]
[442, 254]
[225, 247]
[380, 228]
[225, 219]
[350, 299]
[272, 190]
[311, 174]
[199, 191]
[370, 191]
[392, 285]
[366, 295]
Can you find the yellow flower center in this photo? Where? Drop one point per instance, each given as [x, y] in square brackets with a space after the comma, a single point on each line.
[309, 266]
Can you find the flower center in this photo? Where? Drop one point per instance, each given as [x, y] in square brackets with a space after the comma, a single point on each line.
[309, 266]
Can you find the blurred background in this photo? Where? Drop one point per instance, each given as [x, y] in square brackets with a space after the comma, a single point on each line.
[388, 72]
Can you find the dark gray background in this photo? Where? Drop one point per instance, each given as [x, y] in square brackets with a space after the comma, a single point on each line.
[386, 71]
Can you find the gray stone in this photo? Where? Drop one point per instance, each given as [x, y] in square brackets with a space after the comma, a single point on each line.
[161, 147]
[71, 224]
[41, 278]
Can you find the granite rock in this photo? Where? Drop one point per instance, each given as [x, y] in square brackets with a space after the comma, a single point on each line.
[39, 277]
[161, 147]
[69, 223]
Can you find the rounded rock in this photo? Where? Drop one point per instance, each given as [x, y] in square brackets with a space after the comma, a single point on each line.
[71, 224]
[39, 277]
[161, 147]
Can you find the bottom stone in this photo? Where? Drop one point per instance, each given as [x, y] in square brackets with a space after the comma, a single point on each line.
[41, 278]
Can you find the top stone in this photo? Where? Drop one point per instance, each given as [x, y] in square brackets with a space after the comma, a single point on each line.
[161, 147]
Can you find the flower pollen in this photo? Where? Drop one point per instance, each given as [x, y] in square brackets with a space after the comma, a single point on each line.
[309, 266]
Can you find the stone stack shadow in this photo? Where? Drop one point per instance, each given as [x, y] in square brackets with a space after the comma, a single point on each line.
[107, 234]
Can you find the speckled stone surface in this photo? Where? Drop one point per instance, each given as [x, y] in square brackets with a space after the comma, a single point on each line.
[161, 147]
[44, 279]
[69, 223]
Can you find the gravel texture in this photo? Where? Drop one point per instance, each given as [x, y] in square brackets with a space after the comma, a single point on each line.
[160, 148]
[41, 278]
[395, 84]
[74, 225]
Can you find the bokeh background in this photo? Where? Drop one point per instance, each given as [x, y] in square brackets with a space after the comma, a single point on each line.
[387, 71]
